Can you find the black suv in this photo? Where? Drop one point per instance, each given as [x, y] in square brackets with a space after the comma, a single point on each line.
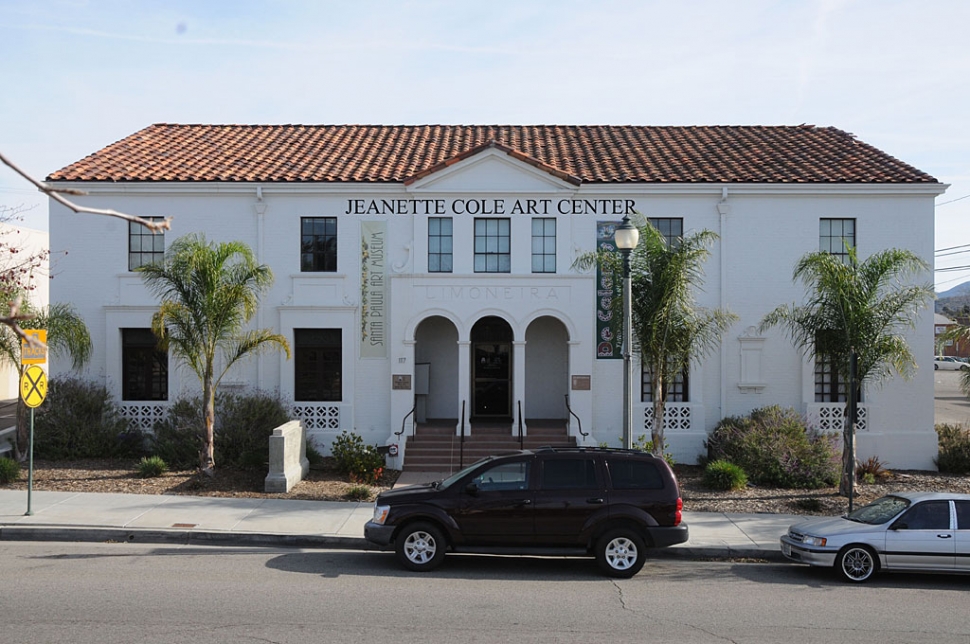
[609, 503]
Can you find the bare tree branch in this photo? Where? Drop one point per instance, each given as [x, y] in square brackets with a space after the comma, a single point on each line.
[57, 195]
[12, 320]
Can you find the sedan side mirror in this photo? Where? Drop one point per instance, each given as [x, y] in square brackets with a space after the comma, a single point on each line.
[899, 525]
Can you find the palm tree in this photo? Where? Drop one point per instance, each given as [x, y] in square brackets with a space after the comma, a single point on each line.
[66, 335]
[669, 330]
[856, 308]
[208, 293]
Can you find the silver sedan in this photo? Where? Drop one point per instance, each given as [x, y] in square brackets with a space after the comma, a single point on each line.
[917, 531]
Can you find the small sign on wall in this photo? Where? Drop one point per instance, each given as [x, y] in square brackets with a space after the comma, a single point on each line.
[580, 383]
[401, 381]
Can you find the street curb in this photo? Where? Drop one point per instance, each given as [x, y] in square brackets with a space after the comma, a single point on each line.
[180, 537]
[201, 538]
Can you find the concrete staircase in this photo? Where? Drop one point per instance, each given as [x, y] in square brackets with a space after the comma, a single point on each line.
[435, 447]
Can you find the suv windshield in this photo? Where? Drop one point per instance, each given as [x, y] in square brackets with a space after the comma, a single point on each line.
[879, 511]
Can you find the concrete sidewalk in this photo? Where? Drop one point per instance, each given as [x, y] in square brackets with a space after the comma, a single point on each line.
[145, 518]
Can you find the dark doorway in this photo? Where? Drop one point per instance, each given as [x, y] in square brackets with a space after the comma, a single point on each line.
[492, 368]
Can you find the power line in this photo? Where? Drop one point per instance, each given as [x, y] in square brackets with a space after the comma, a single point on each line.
[943, 203]
[940, 250]
[952, 268]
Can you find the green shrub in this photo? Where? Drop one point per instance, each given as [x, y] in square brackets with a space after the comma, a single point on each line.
[362, 463]
[641, 443]
[243, 425]
[9, 470]
[774, 447]
[313, 455]
[871, 470]
[954, 446]
[722, 475]
[359, 493]
[79, 419]
[151, 466]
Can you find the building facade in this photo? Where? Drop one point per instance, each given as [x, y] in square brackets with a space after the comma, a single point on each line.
[424, 273]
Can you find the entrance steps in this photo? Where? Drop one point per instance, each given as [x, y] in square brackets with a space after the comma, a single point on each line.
[435, 447]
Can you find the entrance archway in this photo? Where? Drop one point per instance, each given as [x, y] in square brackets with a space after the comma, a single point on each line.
[491, 347]
[546, 369]
[436, 370]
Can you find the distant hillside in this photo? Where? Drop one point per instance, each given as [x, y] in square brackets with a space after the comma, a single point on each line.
[954, 300]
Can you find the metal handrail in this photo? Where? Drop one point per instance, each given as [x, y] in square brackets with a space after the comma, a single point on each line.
[578, 421]
[405, 420]
[520, 426]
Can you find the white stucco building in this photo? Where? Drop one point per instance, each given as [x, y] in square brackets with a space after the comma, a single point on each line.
[429, 268]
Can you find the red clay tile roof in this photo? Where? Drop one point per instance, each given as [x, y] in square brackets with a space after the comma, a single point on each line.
[575, 153]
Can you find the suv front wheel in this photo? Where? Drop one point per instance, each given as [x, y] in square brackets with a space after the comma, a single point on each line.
[420, 547]
[621, 553]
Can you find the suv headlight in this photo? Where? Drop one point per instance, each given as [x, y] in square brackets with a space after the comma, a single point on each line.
[380, 513]
[814, 541]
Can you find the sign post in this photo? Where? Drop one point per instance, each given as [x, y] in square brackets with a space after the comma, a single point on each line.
[33, 390]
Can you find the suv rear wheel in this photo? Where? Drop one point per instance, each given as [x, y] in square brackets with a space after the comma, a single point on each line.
[621, 553]
[420, 547]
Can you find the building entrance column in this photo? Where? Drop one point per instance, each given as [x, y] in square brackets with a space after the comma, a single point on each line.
[464, 382]
[518, 381]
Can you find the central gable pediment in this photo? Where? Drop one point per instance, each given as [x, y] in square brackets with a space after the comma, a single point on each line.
[492, 168]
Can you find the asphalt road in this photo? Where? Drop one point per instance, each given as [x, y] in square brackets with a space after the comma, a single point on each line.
[951, 405]
[114, 593]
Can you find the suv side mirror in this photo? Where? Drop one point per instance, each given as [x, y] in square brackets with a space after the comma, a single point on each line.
[472, 489]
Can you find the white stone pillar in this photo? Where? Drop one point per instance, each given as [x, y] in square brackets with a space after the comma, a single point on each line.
[518, 386]
[464, 381]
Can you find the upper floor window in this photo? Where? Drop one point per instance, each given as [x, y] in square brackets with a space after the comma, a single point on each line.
[672, 228]
[439, 245]
[318, 244]
[144, 367]
[318, 364]
[144, 246]
[836, 236]
[677, 391]
[544, 245]
[493, 246]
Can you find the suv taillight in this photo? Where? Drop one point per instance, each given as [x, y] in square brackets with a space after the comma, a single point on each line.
[679, 515]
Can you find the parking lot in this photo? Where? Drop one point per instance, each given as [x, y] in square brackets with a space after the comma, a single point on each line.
[951, 405]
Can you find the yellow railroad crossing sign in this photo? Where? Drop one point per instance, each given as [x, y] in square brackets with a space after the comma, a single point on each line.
[33, 386]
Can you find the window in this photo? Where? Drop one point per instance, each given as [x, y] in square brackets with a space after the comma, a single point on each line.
[144, 368]
[318, 244]
[506, 477]
[544, 245]
[144, 246]
[318, 364]
[828, 387]
[492, 246]
[628, 474]
[963, 515]
[439, 245]
[677, 391]
[929, 515]
[672, 228]
[568, 473]
[835, 235]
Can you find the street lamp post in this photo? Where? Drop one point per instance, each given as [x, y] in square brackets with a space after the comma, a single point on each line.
[627, 237]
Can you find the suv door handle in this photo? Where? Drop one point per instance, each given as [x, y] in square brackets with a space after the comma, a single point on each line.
[524, 502]
[595, 500]
[944, 536]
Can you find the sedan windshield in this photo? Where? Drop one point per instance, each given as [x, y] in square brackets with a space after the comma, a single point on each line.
[879, 511]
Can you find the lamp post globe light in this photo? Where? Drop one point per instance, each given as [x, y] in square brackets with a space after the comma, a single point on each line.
[627, 236]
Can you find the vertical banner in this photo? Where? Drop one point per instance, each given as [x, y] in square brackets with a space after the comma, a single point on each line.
[608, 327]
[373, 290]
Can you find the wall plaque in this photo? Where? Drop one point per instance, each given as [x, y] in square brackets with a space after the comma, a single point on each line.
[401, 381]
[580, 383]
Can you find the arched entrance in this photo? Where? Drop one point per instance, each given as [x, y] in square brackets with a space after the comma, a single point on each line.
[546, 370]
[491, 347]
[436, 371]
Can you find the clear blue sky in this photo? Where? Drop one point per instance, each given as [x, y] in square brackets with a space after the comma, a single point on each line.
[77, 75]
